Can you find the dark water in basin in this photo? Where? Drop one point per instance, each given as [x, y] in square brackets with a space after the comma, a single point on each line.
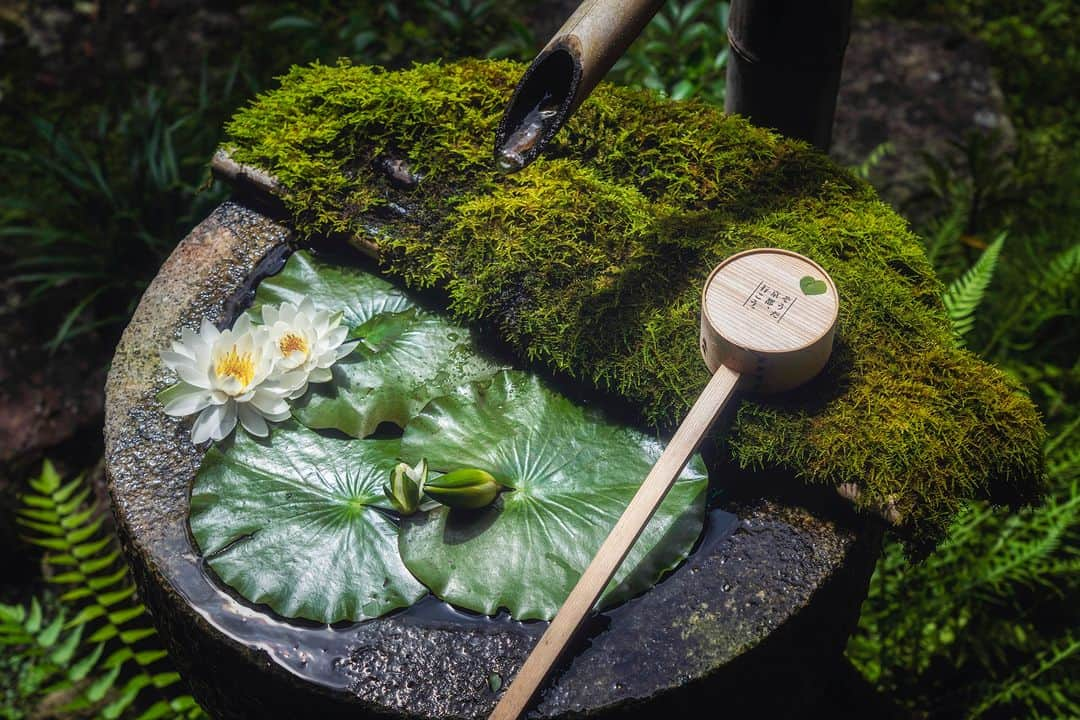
[313, 651]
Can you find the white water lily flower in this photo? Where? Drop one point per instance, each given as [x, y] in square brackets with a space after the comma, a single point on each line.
[227, 376]
[306, 340]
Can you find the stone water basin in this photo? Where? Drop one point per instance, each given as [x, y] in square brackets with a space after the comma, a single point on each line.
[756, 618]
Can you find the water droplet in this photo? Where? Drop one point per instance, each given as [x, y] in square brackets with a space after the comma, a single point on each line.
[524, 138]
[509, 162]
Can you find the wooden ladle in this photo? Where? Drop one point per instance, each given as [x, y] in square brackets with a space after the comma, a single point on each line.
[768, 318]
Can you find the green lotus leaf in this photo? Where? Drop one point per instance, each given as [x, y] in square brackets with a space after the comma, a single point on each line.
[298, 522]
[571, 474]
[358, 294]
[407, 355]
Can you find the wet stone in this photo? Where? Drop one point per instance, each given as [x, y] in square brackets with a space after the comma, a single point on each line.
[767, 600]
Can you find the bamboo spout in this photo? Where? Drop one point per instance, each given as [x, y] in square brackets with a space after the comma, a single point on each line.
[564, 73]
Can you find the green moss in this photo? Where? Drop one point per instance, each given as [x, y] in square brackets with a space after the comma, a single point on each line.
[590, 261]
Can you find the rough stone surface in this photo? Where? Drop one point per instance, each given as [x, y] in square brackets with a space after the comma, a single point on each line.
[767, 600]
[921, 88]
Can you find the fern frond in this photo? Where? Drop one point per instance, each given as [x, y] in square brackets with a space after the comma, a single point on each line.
[873, 159]
[58, 657]
[965, 293]
[1063, 272]
[101, 612]
[1041, 699]
[1022, 557]
[997, 599]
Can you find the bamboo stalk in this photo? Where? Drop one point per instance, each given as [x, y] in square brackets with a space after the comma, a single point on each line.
[784, 67]
[565, 72]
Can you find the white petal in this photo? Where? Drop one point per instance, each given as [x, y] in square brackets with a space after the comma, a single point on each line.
[252, 421]
[208, 423]
[298, 392]
[173, 359]
[231, 386]
[269, 314]
[208, 333]
[187, 350]
[268, 404]
[307, 307]
[291, 380]
[242, 325]
[278, 417]
[190, 338]
[228, 422]
[345, 349]
[320, 375]
[293, 360]
[196, 376]
[179, 350]
[286, 313]
[321, 321]
[337, 336]
[192, 401]
[203, 356]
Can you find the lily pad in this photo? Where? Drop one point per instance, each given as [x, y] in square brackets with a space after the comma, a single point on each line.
[299, 522]
[571, 474]
[407, 355]
[358, 294]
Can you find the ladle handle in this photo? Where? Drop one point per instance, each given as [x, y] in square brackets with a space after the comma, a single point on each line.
[618, 543]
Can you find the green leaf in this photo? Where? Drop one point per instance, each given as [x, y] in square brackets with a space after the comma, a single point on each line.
[82, 668]
[49, 480]
[571, 475]
[406, 360]
[48, 637]
[127, 695]
[407, 356]
[358, 294]
[965, 293]
[100, 686]
[298, 521]
[65, 651]
[33, 620]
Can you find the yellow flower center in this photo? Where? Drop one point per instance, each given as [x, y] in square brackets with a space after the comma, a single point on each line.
[237, 366]
[291, 342]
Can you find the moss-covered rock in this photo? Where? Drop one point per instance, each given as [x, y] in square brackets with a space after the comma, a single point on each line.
[590, 261]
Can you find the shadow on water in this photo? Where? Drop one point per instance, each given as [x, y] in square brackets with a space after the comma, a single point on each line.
[314, 651]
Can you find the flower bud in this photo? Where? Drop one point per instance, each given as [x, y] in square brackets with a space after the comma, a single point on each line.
[465, 488]
[405, 486]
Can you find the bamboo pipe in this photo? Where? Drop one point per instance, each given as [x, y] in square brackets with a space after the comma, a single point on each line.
[564, 73]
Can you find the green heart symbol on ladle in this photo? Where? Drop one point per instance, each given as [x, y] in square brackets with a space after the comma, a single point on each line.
[812, 286]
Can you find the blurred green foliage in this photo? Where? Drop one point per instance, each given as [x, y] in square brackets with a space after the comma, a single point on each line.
[987, 626]
[105, 144]
[682, 53]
